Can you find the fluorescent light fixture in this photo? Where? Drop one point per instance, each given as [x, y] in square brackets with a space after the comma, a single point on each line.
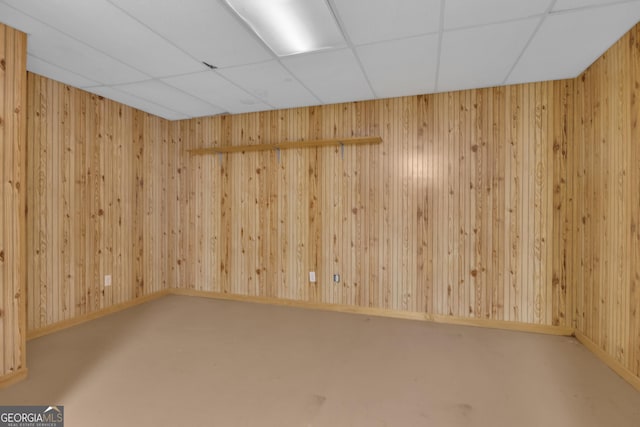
[290, 27]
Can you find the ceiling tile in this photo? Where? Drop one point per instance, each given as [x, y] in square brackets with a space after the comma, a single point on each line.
[111, 31]
[206, 29]
[215, 89]
[271, 83]
[333, 76]
[18, 20]
[135, 102]
[466, 13]
[57, 49]
[368, 21]
[162, 94]
[566, 43]
[402, 67]
[573, 4]
[38, 66]
[63, 52]
[482, 56]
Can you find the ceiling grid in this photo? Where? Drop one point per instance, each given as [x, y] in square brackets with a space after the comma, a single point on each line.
[149, 54]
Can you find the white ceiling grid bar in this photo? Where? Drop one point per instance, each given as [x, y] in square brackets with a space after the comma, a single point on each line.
[436, 84]
[350, 45]
[540, 22]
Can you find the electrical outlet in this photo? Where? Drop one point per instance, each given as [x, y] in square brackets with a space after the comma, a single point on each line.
[107, 280]
[312, 276]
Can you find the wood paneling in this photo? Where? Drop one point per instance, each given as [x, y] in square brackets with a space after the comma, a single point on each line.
[453, 215]
[96, 205]
[604, 177]
[13, 84]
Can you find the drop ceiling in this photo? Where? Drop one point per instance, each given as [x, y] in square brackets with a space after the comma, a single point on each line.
[150, 54]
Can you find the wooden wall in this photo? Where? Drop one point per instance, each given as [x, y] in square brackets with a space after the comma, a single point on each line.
[604, 176]
[459, 213]
[480, 204]
[13, 84]
[97, 204]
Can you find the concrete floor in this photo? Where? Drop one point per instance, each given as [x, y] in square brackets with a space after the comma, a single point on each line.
[183, 361]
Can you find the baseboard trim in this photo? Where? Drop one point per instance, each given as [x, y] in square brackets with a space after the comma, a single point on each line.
[506, 325]
[13, 378]
[396, 314]
[483, 323]
[300, 304]
[95, 315]
[609, 360]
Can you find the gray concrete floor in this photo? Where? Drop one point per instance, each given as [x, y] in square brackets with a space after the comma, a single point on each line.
[183, 361]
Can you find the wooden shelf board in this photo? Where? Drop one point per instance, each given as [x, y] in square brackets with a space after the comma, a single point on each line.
[365, 140]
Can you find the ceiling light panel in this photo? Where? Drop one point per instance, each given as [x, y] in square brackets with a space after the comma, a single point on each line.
[271, 83]
[566, 43]
[135, 102]
[38, 66]
[482, 56]
[467, 13]
[106, 28]
[333, 76]
[291, 27]
[206, 29]
[369, 21]
[401, 67]
[167, 96]
[212, 88]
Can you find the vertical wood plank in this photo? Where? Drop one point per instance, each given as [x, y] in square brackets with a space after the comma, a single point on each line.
[13, 186]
